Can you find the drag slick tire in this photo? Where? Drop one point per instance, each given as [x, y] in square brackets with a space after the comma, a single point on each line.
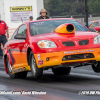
[96, 67]
[36, 72]
[16, 75]
[61, 71]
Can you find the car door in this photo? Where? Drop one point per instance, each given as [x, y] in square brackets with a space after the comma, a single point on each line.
[11, 47]
[18, 49]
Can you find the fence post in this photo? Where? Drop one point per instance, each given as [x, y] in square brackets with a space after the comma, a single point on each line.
[71, 16]
[90, 18]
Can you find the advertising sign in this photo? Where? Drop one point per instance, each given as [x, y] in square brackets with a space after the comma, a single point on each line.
[20, 14]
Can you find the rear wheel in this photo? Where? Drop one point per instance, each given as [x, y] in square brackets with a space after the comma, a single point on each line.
[36, 72]
[61, 71]
[96, 67]
[16, 75]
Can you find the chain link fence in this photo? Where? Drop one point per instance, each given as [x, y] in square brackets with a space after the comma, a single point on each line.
[81, 18]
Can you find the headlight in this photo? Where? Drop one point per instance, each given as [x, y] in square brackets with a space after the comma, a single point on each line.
[97, 39]
[46, 44]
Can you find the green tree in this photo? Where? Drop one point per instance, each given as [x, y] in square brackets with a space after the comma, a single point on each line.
[71, 7]
[57, 7]
[94, 6]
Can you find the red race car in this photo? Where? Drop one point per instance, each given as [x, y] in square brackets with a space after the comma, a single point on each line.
[52, 43]
[95, 25]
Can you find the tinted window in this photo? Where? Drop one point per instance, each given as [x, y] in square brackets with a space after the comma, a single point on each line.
[12, 38]
[49, 26]
[22, 30]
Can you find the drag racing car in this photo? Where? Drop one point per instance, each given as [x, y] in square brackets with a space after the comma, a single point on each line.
[58, 44]
[95, 25]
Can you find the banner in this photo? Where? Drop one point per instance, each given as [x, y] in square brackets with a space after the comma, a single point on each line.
[23, 8]
[20, 14]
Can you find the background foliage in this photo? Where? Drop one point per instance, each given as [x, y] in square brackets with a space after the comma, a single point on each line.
[71, 7]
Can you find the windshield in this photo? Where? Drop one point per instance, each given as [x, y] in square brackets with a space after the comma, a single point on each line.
[49, 26]
[90, 23]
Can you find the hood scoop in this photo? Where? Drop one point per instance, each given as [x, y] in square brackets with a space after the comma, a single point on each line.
[67, 28]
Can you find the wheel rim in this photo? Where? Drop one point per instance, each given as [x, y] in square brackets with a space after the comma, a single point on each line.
[9, 67]
[95, 64]
[33, 65]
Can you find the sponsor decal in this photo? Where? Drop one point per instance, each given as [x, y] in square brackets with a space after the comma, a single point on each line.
[89, 50]
[79, 51]
[70, 52]
[39, 23]
[38, 56]
[40, 62]
[20, 69]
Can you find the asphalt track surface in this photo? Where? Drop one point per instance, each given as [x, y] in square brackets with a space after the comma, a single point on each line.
[56, 87]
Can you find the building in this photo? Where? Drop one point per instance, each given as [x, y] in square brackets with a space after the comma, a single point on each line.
[14, 12]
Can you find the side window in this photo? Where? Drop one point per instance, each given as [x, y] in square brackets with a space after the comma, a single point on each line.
[22, 30]
[12, 38]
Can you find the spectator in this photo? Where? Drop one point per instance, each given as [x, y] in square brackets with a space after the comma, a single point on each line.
[3, 37]
[43, 14]
[31, 18]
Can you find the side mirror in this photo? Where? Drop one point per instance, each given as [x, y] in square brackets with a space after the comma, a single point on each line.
[20, 36]
[92, 29]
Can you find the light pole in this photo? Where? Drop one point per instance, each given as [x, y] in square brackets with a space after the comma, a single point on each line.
[86, 13]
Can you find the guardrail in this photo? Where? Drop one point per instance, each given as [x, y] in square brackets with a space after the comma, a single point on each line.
[81, 18]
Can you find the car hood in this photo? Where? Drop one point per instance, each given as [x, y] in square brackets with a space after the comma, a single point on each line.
[56, 36]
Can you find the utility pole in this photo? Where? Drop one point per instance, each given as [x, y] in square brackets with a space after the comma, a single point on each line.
[86, 13]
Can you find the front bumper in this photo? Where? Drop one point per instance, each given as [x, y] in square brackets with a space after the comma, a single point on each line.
[55, 58]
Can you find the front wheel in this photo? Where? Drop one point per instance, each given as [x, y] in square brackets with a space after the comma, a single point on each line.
[61, 71]
[96, 67]
[36, 72]
[16, 75]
